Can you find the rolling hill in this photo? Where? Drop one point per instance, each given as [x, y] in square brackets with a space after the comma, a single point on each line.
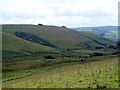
[27, 39]
[12, 45]
[110, 32]
[30, 50]
[58, 36]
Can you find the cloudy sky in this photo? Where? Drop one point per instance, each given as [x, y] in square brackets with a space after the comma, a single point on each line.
[70, 13]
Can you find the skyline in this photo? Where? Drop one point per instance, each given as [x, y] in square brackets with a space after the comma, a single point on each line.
[70, 13]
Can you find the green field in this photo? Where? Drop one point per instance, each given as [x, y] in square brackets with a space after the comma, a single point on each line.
[21, 40]
[60, 37]
[102, 74]
[13, 43]
[13, 46]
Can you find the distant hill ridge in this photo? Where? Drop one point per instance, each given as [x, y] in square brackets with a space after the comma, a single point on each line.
[110, 32]
[46, 38]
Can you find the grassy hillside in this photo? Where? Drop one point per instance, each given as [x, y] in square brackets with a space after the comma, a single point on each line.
[110, 32]
[36, 57]
[61, 37]
[13, 45]
[102, 74]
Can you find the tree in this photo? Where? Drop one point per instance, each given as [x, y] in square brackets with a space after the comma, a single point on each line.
[40, 25]
[64, 27]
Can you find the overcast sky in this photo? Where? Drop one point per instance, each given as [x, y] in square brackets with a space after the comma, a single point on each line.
[70, 13]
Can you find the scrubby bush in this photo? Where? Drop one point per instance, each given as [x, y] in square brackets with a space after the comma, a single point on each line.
[49, 57]
[99, 47]
[111, 46]
[83, 56]
[81, 59]
[115, 53]
[97, 54]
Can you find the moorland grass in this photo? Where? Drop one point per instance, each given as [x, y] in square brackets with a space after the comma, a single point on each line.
[101, 74]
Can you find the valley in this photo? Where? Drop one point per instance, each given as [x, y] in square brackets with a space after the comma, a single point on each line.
[36, 56]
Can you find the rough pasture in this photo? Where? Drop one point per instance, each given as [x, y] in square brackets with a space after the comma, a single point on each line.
[101, 74]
